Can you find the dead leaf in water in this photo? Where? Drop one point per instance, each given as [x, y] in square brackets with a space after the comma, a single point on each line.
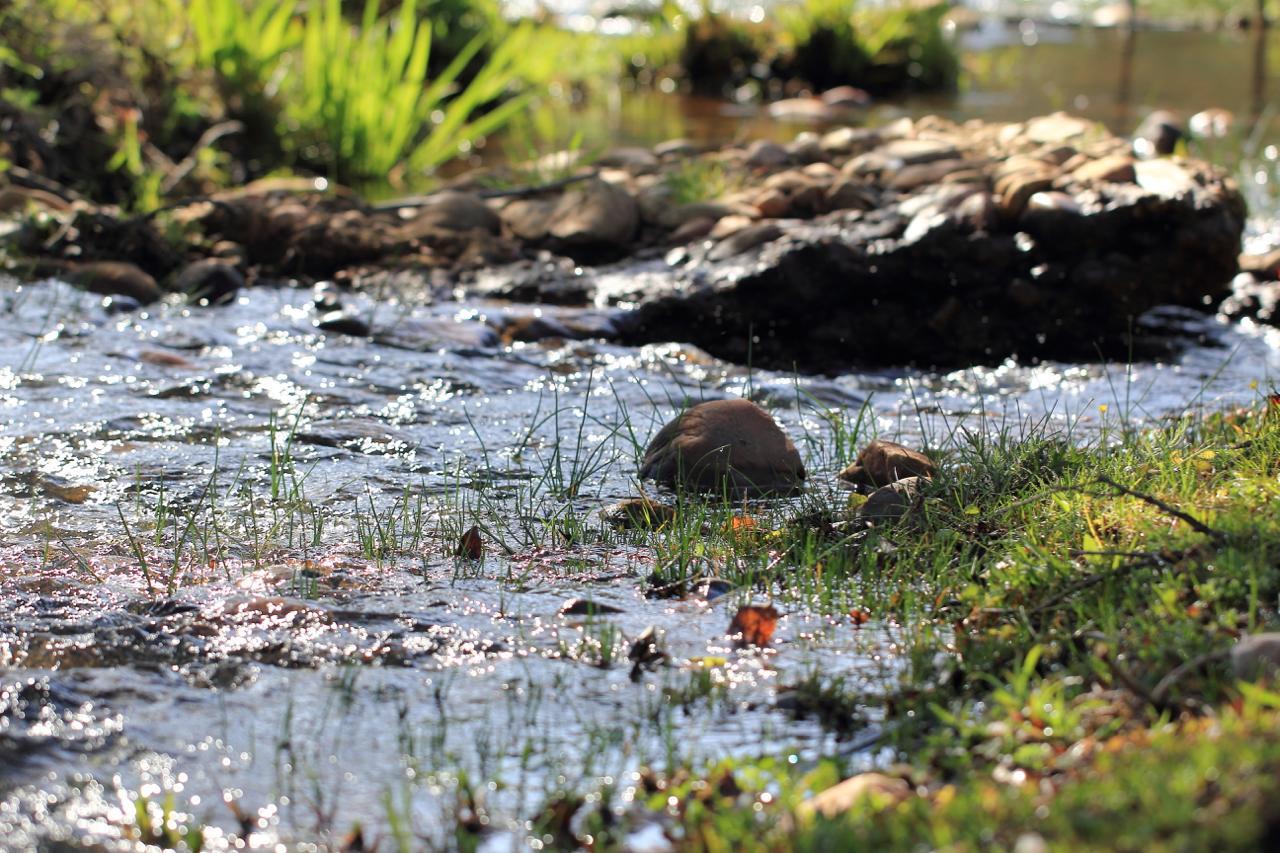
[164, 359]
[755, 623]
[471, 546]
[66, 492]
[859, 617]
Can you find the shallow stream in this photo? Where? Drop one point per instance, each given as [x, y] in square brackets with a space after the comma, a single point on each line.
[227, 565]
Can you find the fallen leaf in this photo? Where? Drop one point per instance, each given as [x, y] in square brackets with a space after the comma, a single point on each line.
[164, 359]
[755, 624]
[859, 617]
[471, 546]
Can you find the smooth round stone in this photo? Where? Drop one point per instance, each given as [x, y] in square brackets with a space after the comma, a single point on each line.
[732, 447]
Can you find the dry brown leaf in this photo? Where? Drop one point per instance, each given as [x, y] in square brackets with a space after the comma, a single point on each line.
[471, 546]
[755, 623]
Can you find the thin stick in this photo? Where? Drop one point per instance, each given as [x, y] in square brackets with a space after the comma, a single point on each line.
[1196, 524]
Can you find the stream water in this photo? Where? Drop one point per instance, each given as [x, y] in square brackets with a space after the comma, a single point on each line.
[227, 571]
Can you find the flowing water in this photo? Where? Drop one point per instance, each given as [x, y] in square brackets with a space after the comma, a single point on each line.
[227, 559]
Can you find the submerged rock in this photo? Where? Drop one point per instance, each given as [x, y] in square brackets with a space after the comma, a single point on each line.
[726, 446]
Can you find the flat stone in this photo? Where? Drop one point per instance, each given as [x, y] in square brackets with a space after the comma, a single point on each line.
[732, 447]
[914, 151]
[744, 240]
[1265, 267]
[1116, 169]
[528, 218]
[883, 462]
[763, 153]
[1056, 128]
[1164, 178]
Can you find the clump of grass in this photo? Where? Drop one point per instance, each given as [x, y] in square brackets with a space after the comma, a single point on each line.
[365, 98]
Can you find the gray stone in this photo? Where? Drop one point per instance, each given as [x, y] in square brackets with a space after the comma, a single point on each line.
[1256, 656]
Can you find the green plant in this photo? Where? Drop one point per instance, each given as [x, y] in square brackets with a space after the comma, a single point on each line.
[364, 106]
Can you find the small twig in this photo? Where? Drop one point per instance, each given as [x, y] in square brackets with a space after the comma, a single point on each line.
[1093, 580]
[26, 178]
[1180, 672]
[1131, 684]
[507, 192]
[1196, 524]
[184, 166]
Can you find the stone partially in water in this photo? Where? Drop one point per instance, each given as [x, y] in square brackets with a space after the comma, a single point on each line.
[115, 278]
[209, 282]
[883, 462]
[727, 446]
[638, 514]
[892, 502]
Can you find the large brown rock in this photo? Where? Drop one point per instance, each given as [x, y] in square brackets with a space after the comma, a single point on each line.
[883, 462]
[726, 446]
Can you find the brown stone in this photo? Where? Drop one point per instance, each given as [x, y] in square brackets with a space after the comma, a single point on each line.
[773, 203]
[115, 278]
[883, 462]
[1016, 189]
[597, 213]
[850, 195]
[728, 446]
[1116, 169]
[528, 218]
[744, 239]
[694, 229]
[451, 210]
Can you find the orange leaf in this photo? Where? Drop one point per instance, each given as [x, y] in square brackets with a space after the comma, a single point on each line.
[471, 546]
[755, 624]
[860, 617]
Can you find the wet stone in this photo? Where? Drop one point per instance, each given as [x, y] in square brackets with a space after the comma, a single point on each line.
[883, 462]
[638, 514]
[587, 607]
[115, 278]
[892, 502]
[209, 282]
[724, 446]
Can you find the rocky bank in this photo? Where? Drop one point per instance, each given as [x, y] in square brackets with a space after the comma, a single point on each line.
[923, 242]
